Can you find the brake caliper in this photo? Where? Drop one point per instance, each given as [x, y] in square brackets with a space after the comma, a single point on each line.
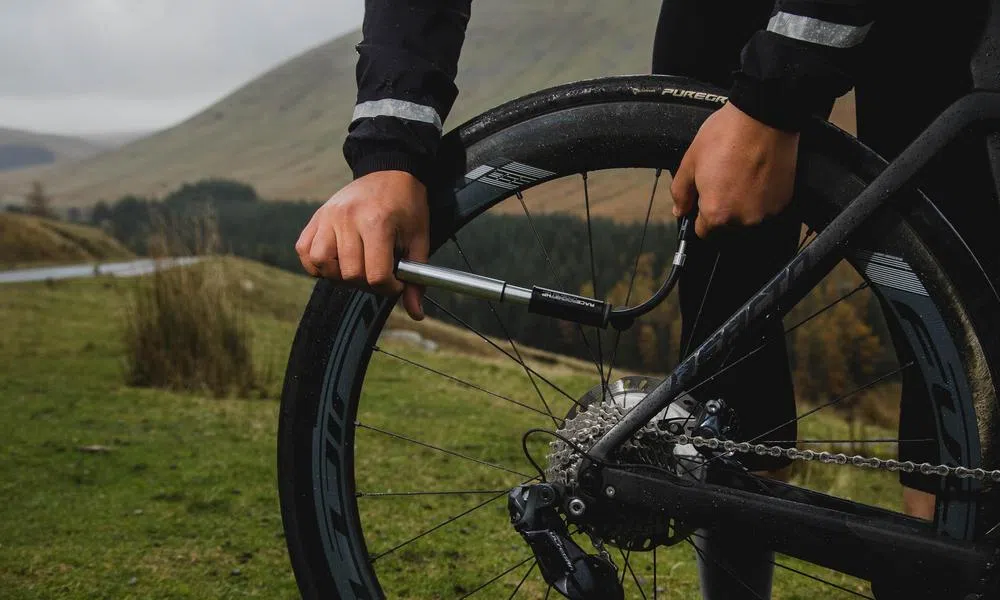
[564, 565]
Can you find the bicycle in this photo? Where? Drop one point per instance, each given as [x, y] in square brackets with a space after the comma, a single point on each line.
[947, 336]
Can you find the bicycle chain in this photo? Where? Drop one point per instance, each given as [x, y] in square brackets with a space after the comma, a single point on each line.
[989, 576]
[600, 547]
[839, 458]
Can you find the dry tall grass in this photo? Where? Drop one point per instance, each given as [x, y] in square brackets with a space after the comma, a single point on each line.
[26, 240]
[184, 330]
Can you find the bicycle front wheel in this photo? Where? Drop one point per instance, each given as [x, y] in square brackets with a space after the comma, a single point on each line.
[394, 458]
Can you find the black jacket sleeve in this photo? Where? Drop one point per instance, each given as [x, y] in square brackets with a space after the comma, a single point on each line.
[407, 63]
[803, 61]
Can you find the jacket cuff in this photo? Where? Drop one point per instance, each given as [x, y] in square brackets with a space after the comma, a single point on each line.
[391, 161]
[770, 102]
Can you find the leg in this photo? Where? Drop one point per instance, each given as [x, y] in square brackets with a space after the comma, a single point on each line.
[958, 180]
[692, 41]
[731, 566]
[919, 504]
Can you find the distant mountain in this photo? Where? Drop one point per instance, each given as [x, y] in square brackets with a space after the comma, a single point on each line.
[19, 149]
[283, 131]
[116, 138]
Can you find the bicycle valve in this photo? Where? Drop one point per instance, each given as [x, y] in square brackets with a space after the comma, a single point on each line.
[539, 300]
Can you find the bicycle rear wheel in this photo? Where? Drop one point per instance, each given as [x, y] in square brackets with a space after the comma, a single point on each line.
[346, 439]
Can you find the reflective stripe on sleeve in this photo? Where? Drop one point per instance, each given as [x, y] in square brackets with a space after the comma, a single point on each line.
[816, 31]
[401, 109]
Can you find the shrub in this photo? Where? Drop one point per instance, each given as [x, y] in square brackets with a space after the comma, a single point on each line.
[183, 329]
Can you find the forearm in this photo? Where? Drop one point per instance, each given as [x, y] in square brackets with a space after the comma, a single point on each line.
[406, 70]
[803, 61]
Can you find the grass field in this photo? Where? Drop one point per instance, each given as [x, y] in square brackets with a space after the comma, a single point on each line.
[113, 492]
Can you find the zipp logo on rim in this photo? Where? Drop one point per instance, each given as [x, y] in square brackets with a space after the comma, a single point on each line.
[676, 93]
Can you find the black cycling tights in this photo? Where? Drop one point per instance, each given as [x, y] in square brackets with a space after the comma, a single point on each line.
[702, 39]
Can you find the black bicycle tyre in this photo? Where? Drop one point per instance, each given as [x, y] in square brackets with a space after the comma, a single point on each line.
[640, 121]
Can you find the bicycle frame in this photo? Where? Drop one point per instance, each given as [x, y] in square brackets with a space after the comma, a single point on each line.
[866, 538]
[809, 266]
[979, 108]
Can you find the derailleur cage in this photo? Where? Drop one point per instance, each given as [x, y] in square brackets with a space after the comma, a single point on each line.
[563, 563]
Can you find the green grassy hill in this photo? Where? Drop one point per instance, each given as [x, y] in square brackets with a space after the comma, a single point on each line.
[110, 491]
[283, 131]
[27, 240]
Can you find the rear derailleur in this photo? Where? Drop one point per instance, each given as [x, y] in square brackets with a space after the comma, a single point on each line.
[563, 563]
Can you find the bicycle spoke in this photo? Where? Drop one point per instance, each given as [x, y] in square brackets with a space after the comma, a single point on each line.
[760, 347]
[506, 333]
[494, 579]
[723, 567]
[635, 268]
[861, 286]
[837, 400]
[628, 567]
[462, 322]
[593, 278]
[821, 580]
[446, 522]
[729, 365]
[833, 402]
[701, 306]
[459, 381]
[694, 329]
[804, 574]
[655, 582]
[523, 579]
[552, 273]
[445, 493]
[442, 450]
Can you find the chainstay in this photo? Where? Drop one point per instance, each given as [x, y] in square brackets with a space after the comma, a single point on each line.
[837, 458]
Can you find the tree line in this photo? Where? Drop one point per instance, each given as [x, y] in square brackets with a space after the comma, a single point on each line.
[840, 350]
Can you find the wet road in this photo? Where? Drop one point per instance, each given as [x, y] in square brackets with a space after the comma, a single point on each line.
[131, 268]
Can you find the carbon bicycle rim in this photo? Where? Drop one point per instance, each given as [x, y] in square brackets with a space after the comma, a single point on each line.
[394, 459]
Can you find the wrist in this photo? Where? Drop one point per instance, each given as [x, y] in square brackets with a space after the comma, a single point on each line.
[392, 161]
[769, 103]
[758, 128]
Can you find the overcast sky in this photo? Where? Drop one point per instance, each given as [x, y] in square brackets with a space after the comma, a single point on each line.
[95, 66]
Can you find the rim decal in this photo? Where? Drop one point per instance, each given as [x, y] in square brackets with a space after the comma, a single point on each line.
[889, 271]
[507, 175]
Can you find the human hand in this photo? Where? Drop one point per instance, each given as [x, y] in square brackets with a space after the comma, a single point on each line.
[353, 236]
[738, 171]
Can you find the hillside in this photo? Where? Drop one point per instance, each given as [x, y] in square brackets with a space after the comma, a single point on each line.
[282, 132]
[27, 240]
[20, 149]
